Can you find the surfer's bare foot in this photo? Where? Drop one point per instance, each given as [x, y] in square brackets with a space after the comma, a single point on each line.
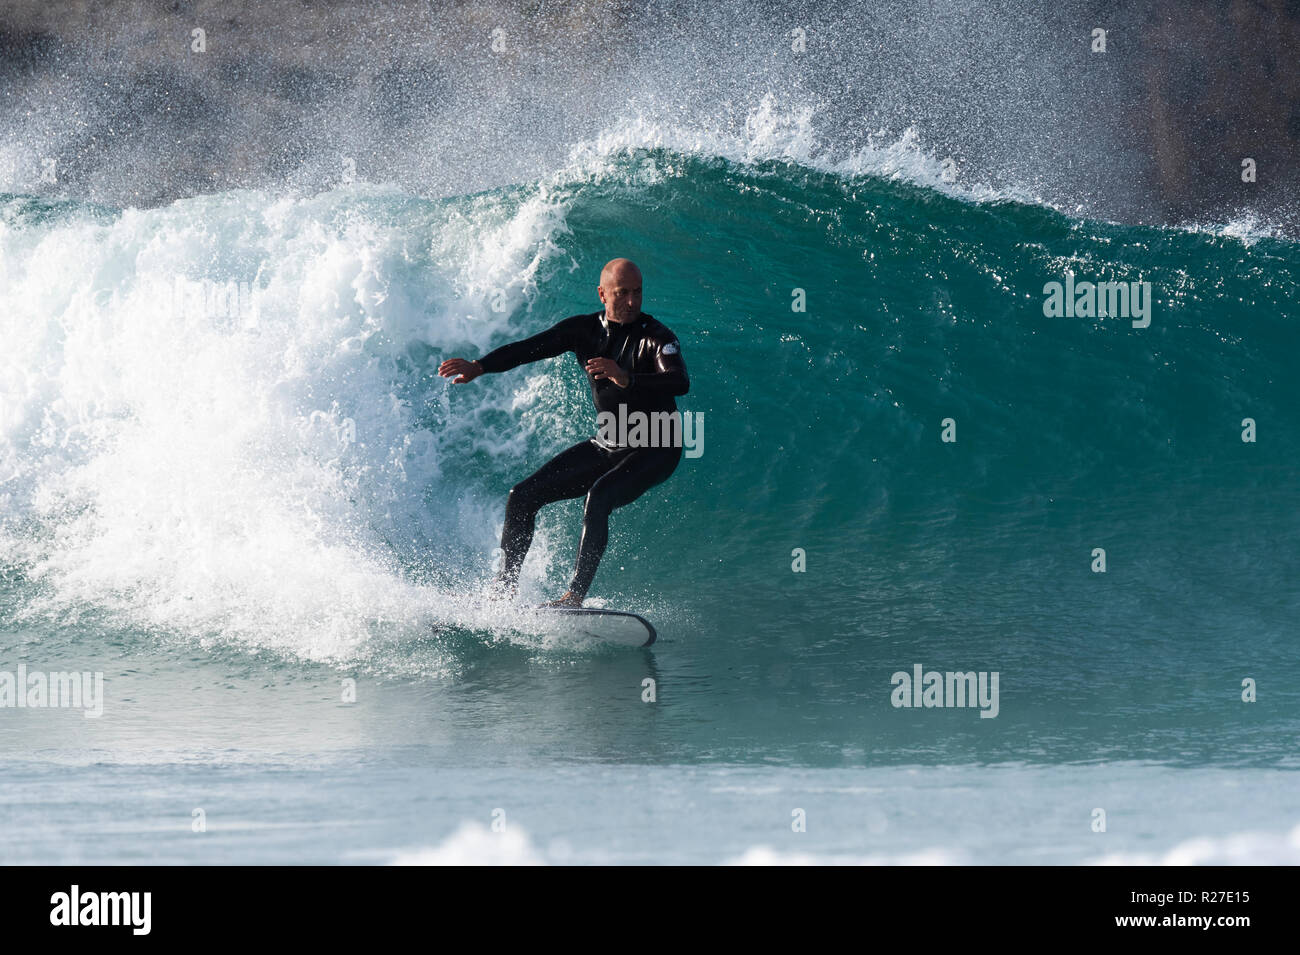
[570, 599]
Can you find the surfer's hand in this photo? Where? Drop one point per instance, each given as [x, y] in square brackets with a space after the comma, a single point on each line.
[608, 368]
[468, 370]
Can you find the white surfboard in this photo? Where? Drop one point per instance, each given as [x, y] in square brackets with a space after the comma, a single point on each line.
[590, 624]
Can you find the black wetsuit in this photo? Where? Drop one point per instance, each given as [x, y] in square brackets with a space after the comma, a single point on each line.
[609, 475]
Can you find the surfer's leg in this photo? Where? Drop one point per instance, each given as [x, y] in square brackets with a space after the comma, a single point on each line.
[641, 470]
[567, 475]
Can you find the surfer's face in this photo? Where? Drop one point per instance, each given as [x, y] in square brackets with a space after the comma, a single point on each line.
[620, 290]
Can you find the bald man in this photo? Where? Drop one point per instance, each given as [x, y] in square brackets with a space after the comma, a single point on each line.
[632, 361]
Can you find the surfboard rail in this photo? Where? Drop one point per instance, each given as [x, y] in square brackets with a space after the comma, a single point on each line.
[620, 627]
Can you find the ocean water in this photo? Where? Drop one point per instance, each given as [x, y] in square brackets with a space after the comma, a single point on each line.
[231, 481]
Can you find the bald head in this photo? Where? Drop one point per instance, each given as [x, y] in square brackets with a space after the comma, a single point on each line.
[620, 290]
[616, 269]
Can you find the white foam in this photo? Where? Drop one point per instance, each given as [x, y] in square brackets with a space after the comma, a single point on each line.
[763, 855]
[1244, 848]
[475, 844]
[1246, 227]
[251, 475]
[775, 133]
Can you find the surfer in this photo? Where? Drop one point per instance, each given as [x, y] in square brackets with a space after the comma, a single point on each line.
[631, 360]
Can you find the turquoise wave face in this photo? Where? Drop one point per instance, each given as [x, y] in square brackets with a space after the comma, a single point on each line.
[310, 487]
[1073, 436]
[832, 326]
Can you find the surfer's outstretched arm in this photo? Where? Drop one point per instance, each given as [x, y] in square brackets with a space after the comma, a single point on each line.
[556, 340]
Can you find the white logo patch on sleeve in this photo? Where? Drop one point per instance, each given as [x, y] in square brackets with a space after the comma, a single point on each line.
[670, 348]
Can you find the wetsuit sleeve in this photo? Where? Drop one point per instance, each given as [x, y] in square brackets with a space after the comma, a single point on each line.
[556, 340]
[669, 377]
